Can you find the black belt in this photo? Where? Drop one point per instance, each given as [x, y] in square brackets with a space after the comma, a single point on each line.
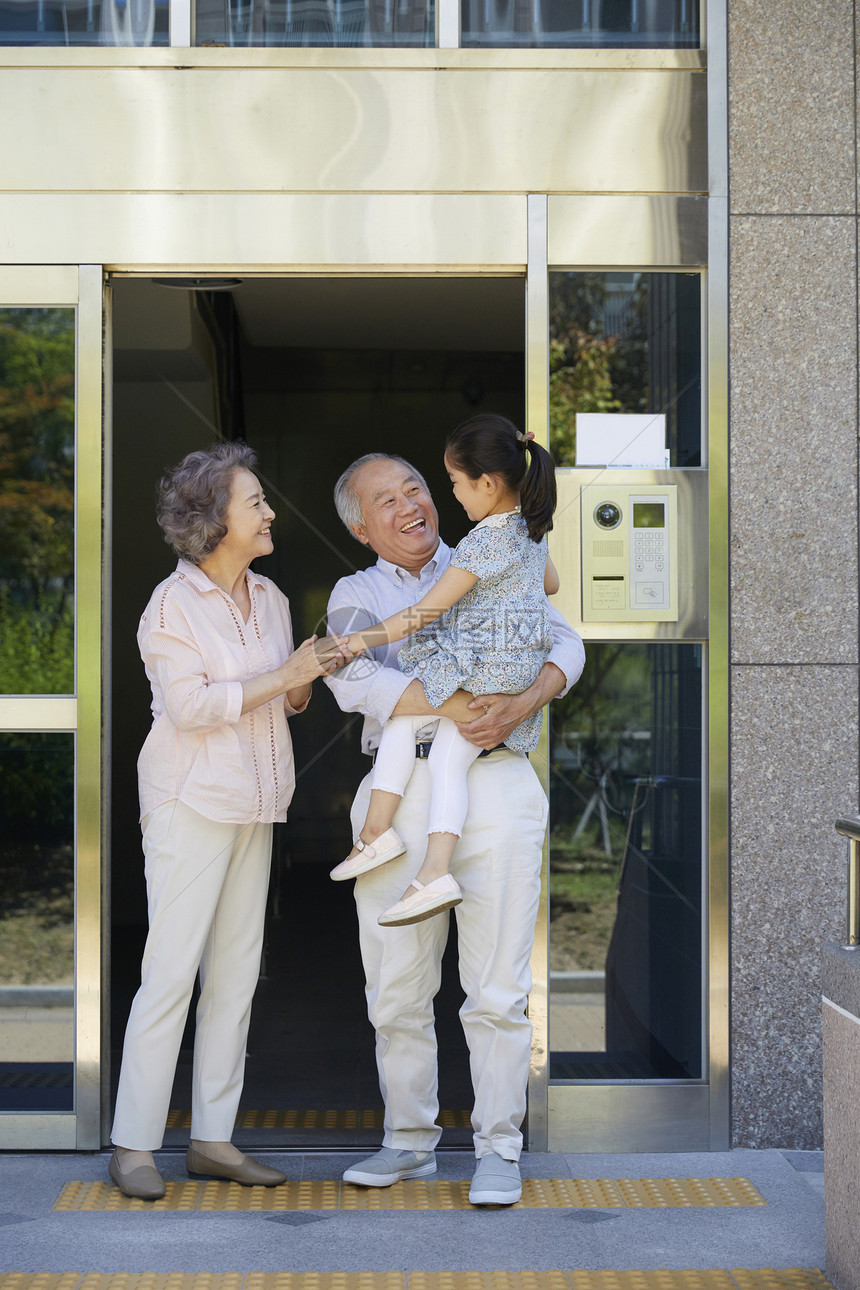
[422, 751]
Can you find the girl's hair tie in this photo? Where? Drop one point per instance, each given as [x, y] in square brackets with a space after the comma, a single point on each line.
[525, 435]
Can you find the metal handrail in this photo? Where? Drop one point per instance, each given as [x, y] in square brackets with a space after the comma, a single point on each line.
[849, 827]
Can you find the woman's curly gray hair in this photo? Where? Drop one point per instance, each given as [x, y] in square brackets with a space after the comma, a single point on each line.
[193, 498]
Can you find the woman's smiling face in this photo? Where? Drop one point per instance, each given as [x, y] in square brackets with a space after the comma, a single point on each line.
[248, 519]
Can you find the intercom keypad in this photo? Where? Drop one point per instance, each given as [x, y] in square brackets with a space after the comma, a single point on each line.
[631, 575]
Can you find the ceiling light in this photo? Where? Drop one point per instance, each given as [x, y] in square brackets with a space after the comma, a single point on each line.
[199, 284]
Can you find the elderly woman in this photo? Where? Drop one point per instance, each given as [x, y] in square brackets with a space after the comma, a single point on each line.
[216, 771]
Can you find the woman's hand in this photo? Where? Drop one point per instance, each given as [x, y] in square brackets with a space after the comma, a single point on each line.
[315, 657]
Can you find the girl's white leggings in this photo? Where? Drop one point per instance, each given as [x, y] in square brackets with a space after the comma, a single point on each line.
[450, 758]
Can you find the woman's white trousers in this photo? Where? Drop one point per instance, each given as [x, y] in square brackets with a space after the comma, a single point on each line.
[497, 864]
[206, 887]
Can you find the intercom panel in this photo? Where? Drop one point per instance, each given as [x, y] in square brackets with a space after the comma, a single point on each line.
[629, 553]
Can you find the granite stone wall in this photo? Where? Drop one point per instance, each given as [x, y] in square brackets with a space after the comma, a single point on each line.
[793, 371]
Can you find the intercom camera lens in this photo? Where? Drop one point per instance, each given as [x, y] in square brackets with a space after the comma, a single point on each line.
[608, 515]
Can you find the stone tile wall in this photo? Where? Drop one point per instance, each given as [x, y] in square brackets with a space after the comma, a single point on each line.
[841, 1144]
[793, 542]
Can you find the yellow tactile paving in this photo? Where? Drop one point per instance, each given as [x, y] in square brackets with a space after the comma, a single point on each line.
[99, 1196]
[325, 1281]
[660, 1279]
[488, 1281]
[39, 1280]
[538, 1193]
[416, 1194]
[680, 1193]
[571, 1193]
[224, 1196]
[313, 1118]
[162, 1281]
[780, 1279]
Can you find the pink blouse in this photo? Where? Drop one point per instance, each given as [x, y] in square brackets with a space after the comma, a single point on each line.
[197, 650]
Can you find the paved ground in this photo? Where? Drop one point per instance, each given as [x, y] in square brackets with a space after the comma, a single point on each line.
[786, 1233]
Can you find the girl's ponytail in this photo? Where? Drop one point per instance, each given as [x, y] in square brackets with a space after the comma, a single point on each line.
[538, 492]
[488, 444]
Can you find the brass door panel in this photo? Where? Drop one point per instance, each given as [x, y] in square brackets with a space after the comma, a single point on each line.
[315, 130]
[348, 232]
[32, 285]
[649, 232]
[629, 1117]
[159, 232]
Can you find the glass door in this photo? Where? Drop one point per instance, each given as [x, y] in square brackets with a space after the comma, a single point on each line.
[626, 877]
[50, 539]
[624, 1055]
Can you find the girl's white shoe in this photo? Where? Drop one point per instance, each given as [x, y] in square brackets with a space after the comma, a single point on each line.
[427, 899]
[370, 855]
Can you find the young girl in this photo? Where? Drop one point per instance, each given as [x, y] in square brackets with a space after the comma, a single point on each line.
[491, 635]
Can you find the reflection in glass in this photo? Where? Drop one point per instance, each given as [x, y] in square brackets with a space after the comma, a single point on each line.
[36, 921]
[626, 342]
[84, 22]
[37, 500]
[557, 24]
[626, 866]
[315, 22]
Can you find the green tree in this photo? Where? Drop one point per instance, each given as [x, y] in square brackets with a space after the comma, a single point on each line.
[37, 417]
[37, 501]
[593, 368]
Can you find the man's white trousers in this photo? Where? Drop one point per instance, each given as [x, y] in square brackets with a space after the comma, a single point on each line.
[206, 886]
[497, 864]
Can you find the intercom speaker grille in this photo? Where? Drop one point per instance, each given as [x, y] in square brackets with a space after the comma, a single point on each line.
[609, 547]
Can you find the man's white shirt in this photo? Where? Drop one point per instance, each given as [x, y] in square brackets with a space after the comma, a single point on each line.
[374, 684]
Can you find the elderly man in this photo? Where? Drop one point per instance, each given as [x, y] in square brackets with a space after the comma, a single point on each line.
[386, 505]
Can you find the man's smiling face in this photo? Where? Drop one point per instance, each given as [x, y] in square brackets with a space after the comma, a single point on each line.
[400, 521]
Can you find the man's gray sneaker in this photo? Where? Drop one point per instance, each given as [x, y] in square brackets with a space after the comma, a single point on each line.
[496, 1182]
[390, 1166]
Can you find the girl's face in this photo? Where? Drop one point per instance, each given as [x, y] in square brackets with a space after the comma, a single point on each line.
[476, 496]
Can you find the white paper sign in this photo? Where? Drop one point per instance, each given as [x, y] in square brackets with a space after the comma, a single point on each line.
[631, 439]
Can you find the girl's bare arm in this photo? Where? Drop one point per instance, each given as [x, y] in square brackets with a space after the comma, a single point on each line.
[450, 588]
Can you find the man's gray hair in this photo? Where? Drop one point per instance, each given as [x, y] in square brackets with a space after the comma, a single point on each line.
[346, 499]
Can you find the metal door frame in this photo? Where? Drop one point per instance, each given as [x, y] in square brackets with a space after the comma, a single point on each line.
[686, 232]
[80, 287]
[588, 232]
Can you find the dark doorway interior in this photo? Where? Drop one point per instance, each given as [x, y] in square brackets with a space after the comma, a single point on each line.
[312, 373]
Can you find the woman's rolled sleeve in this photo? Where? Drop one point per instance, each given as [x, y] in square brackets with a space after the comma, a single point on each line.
[294, 712]
[199, 651]
[191, 700]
